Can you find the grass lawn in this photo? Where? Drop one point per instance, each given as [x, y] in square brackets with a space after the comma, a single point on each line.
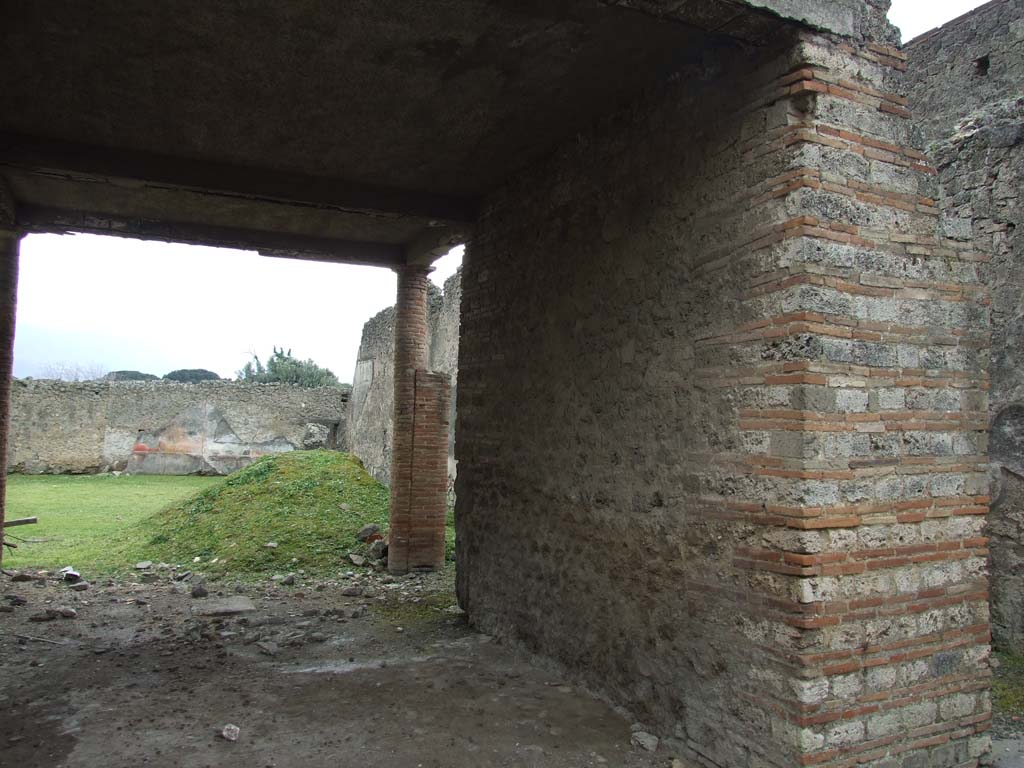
[310, 504]
[84, 518]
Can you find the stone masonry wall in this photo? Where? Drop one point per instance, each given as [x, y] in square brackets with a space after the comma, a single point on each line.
[742, 488]
[370, 409]
[166, 427]
[968, 96]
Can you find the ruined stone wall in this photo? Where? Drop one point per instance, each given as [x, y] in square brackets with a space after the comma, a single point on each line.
[966, 65]
[370, 410]
[968, 97]
[166, 427]
[742, 485]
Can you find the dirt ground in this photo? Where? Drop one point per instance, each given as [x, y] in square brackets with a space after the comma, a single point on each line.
[392, 677]
[313, 675]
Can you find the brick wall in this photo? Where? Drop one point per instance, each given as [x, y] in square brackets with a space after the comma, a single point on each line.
[369, 423]
[743, 486]
[420, 441]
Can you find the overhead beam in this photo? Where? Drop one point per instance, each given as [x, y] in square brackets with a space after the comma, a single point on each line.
[35, 218]
[50, 156]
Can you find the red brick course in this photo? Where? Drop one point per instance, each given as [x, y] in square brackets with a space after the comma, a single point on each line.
[419, 460]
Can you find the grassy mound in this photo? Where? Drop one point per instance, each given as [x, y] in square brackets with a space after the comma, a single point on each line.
[311, 503]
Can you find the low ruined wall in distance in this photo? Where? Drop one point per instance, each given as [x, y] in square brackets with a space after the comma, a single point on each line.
[159, 427]
[369, 425]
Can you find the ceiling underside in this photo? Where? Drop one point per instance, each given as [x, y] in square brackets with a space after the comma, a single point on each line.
[345, 130]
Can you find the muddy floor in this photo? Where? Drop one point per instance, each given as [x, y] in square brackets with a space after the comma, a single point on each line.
[363, 671]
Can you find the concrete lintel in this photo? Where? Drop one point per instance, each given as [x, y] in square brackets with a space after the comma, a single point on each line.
[285, 245]
[738, 18]
[836, 16]
[44, 155]
[434, 243]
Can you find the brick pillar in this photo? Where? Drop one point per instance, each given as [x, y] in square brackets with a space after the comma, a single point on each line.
[742, 485]
[419, 459]
[9, 242]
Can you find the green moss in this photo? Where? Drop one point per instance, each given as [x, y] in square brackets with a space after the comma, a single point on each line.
[1008, 685]
[449, 535]
[429, 611]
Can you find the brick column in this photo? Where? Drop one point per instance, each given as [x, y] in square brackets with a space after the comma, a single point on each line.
[416, 539]
[9, 242]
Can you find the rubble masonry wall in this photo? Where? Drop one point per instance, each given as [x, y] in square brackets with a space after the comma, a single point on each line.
[742, 488]
[80, 427]
[968, 97]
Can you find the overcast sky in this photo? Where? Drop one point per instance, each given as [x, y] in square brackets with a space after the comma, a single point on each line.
[100, 304]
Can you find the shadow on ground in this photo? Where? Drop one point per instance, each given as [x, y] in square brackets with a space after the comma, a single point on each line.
[314, 675]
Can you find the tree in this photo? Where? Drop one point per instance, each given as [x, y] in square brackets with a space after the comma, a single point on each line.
[283, 368]
[129, 376]
[191, 375]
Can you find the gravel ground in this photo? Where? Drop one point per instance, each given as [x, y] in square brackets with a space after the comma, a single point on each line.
[363, 671]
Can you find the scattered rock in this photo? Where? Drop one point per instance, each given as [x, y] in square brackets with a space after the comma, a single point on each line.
[21, 577]
[288, 580]
[317, 637]
[353, 591]
[644, 740]
[268, 648]
[358, 560]
[270, 545]
[144, 565]
[80, 586]
[230, 732]
[48, 615]
[345, 507]
[379, 549]
[67, 613]
[182, 576]
[15, 599]
[367, 531]
[199, 590]
[227, 606]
